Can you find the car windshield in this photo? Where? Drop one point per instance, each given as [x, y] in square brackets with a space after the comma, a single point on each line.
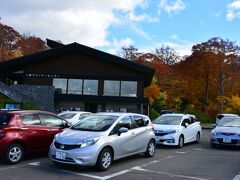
[168, 120]
[67, 115]
[230, 122]
[95, 123]
[4, 119]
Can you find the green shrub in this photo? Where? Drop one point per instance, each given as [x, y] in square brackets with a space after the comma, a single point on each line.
[25, 105]
[153, 114]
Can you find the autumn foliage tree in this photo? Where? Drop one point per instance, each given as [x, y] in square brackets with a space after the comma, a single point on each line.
[13, 44]
[8, 39]
[207, 81]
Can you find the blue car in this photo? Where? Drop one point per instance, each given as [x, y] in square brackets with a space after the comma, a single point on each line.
[227, 132]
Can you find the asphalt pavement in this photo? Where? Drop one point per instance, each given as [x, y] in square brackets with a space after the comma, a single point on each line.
[193, 161]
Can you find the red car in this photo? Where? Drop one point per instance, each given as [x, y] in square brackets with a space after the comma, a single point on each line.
[27, 131]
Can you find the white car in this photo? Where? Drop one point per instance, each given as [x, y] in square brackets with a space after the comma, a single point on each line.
[74, 116]
[177, 129]
[220, 116]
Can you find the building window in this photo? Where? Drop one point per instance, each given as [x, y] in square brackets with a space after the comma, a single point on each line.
[90, 87]
[129, 88]
[60, 85]
[75, 86]
[111, 88]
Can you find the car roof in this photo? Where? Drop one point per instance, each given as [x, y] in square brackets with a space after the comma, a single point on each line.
[230, 117]
[177, 114]
[120, 114]
[63, 112]
[26, 112]
[226, 114]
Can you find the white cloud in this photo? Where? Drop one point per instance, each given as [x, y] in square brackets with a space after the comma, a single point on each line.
[172, 6]
[182, 48]
[143, 17]
[233, 10]
[174, 36]
[84, 21]
[141, 32]
[118, 44]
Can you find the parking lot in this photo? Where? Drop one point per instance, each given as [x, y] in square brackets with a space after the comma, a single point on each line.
[193, 161]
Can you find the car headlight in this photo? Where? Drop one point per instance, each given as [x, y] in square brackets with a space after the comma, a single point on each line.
[89, 142]
[173, 131]
[214, 133]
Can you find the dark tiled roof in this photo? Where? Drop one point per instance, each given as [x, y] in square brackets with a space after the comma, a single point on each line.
[61, 49]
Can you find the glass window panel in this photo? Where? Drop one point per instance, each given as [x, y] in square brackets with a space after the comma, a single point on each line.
[31, 120]
[75, 86]
[129, 88]
[111, 88]
[90, 87]
[49, 120]
[60, 85]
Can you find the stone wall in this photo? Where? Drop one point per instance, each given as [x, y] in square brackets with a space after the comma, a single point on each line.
[41, 95]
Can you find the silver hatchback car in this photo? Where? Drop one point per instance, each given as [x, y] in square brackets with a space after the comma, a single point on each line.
[103, 137]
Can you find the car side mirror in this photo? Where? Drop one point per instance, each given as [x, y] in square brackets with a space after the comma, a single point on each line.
[147, 122]
[65, 125]
[186, 125]
[122, 130]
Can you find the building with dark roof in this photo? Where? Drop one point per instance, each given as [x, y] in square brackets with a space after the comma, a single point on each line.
[78, 77]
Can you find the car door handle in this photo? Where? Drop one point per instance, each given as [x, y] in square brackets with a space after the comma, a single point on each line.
[50, 130]
[24, 129]
[133, 134]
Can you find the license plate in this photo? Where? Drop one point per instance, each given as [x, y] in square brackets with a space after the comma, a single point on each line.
[227, 140]
[61, 155]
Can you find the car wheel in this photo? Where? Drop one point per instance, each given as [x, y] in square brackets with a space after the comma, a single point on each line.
[150, 149]
[104, 159]
[198, 137]
[181, 141]
[14, 154]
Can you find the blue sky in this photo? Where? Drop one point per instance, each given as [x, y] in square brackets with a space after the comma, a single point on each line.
[109, 25]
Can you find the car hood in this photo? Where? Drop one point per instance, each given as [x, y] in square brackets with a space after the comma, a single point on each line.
[160, 127]
[70, 136]
[227, 129]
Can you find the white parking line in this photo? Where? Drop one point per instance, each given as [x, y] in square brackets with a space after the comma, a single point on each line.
[180, 152]
[197, 149]
[237, 177]
[80, 174]
[34, 164]
[117, 173]
[138, 168]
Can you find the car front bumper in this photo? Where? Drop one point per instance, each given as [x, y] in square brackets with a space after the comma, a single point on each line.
[86, 156]
[225, 140]
[169, 139]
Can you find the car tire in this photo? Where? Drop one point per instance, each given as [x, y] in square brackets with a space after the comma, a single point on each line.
[198, 137]
[105, 159]
[180, 141]
[150, 149]
[14, 153]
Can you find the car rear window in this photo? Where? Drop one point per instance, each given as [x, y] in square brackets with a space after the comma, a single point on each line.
[4, 119]
[68, 115]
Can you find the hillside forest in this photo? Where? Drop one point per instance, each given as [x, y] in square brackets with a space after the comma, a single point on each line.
[205, 83]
